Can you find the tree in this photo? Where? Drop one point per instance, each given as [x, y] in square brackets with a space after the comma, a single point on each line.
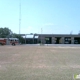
[21, 39]
[5, 32]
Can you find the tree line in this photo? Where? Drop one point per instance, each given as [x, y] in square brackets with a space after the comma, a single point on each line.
[7, 33]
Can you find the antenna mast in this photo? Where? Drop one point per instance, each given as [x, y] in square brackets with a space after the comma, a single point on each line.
[19, 16]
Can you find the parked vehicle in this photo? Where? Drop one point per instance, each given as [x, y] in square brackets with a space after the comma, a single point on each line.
[9, 41]
[2, 41]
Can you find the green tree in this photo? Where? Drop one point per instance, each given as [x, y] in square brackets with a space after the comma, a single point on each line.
[21, 39]
[5, 32]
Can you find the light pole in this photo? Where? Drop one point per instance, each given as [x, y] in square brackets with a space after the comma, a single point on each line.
[19, 16]
[41, 35]
[25, 38]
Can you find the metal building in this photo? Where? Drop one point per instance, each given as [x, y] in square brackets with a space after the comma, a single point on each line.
[53, 39]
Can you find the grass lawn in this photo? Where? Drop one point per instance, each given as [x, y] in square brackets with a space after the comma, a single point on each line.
[39, 62]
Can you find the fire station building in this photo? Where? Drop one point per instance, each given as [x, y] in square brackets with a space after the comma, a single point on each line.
[52, 38]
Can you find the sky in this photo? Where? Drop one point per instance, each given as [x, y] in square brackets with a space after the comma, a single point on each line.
[41, 16]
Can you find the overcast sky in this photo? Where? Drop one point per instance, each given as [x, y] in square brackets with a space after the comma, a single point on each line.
[53, 16]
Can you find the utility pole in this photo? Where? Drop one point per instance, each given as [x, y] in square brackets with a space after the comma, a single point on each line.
[19, 16]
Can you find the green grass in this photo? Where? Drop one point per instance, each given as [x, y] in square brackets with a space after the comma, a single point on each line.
[38, 63]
